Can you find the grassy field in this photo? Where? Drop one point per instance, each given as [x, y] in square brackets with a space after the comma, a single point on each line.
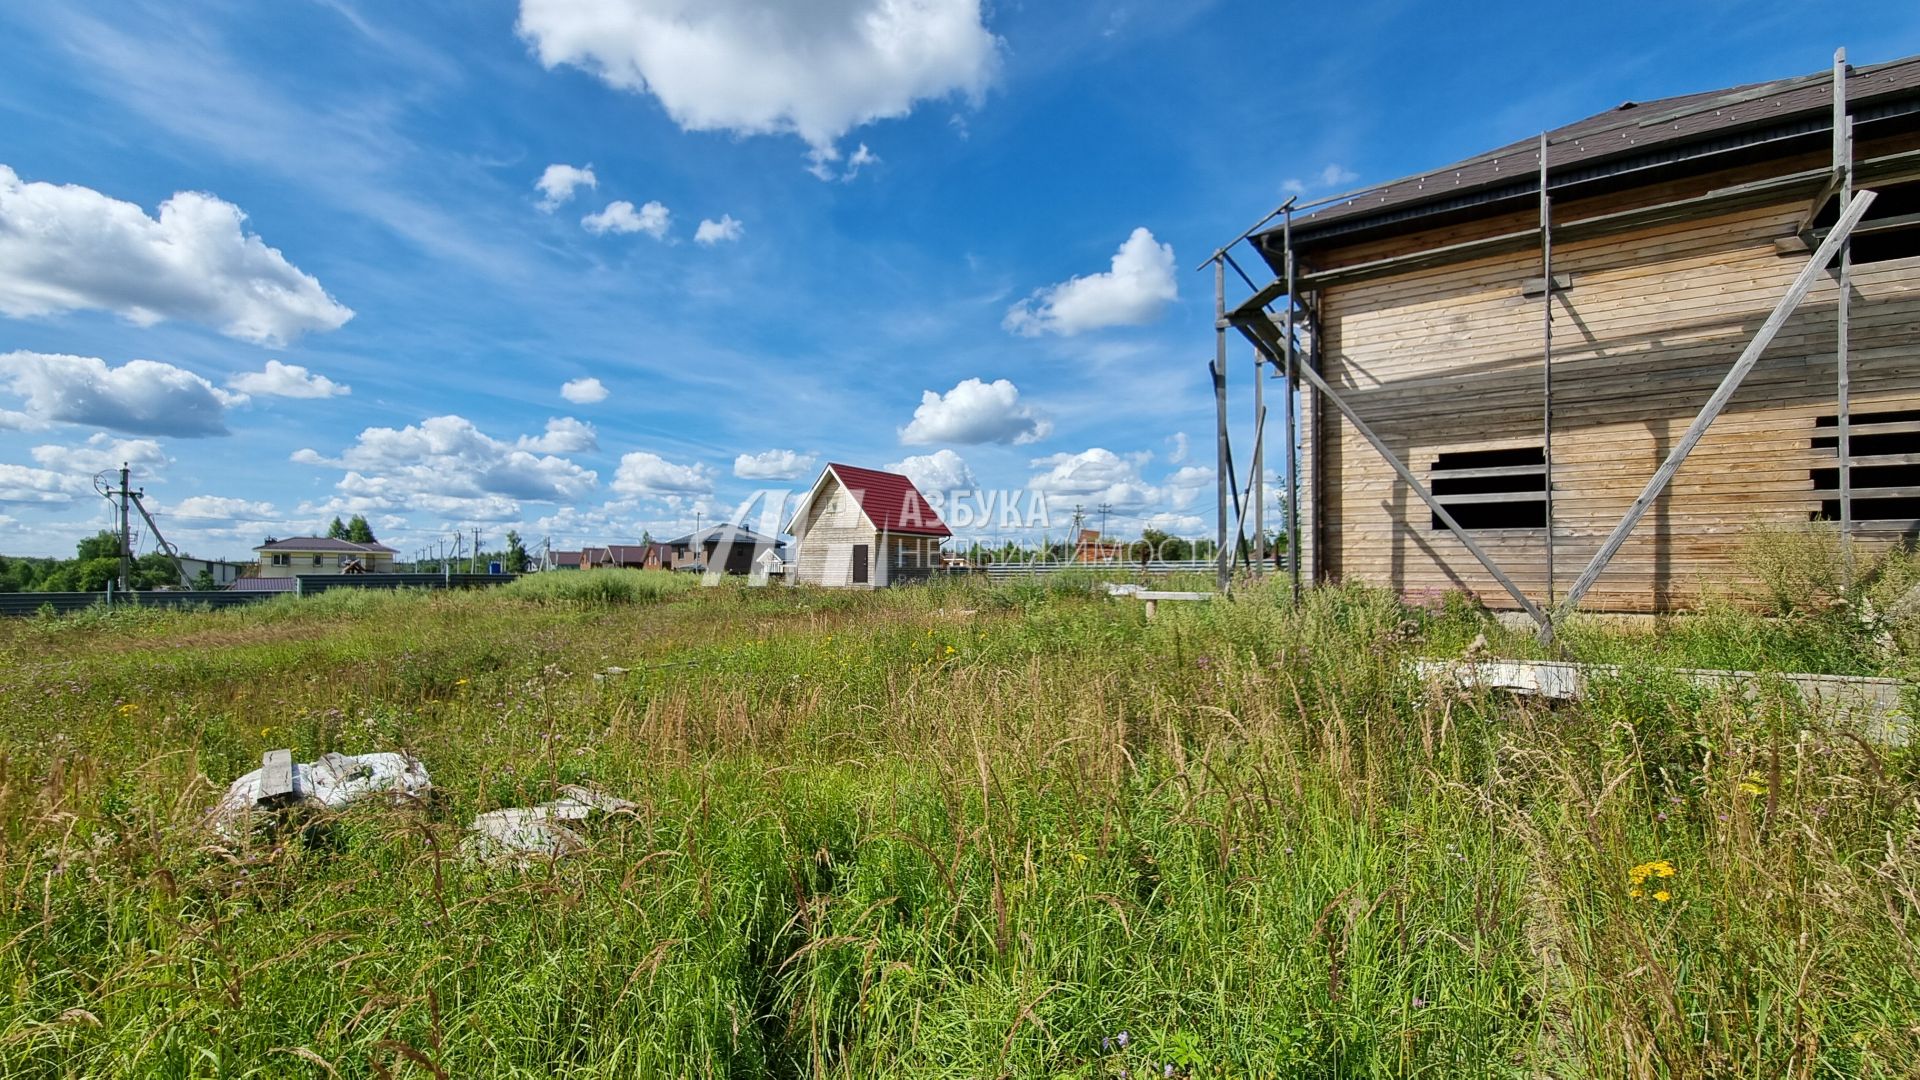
[950, 831]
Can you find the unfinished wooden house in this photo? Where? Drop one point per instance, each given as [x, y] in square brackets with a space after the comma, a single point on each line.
[865, 528]
[1578, 382]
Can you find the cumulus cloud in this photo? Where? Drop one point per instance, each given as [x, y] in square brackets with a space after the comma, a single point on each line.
[644, 473]
[219, 508]
[557, 184]
[446, 465]
[101, 453]
[564, 435]
[584, 391]
[1133, 292]
[726, 230]
[140, 397]
[27, 485]
[1333, 176]
[1092, 477]
[750, 67]
[289, 381]
[975, 412]
[773, 465]
[620, 217]
[938, 473]
[70, 248]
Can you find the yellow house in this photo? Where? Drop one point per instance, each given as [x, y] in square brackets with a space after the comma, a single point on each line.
[322, 555]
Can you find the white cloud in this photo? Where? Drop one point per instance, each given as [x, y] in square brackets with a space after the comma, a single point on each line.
[446, 465]
[557, 184]
[1333, 176]
[620, 217]
[564, 435]
[1186, 485]
[289, 381]
[25, 484]
[816, 70]
[140, 397]
[70, 248]
[644, 473]
[219, 508]
[1092, 477]
[101, 453]
[1180, 447]
[773, 465]
[714, 232]
[1135, 291]
[940, 472]
[975, 412]
[584, 391]
[1176, 524]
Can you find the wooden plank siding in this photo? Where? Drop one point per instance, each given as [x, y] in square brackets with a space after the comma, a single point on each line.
[825, 536]
[1448, 359]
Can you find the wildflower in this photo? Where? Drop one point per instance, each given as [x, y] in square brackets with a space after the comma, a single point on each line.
[459, 682]
[1420, 1002]
[128, 709]
[1649, 871]
[1662, 895]
[1167, 1069]
[1121, 1040]
[1752, 785]
[950, 650]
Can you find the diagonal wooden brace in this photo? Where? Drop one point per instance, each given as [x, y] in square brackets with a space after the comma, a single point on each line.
[1849, 217]
[1250, 328]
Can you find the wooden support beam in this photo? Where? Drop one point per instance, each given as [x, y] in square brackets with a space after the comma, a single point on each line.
[1255, 335]
[1849, 217]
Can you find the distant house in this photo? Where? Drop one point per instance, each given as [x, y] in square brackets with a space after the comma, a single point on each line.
[222, 572]
[613, 556]
[1090, 548]
[729, 548]
[322, 555]
[865, 528]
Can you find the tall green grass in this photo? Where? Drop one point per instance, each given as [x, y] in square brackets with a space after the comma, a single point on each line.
[949, 831]
[599, 586]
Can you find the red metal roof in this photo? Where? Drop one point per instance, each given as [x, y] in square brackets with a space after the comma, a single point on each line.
[891, 501]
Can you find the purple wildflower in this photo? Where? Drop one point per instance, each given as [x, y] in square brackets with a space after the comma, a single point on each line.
[1121, 1040]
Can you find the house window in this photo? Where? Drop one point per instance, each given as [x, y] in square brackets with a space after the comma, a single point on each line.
[317, 558]
[1491, 489]
[1891, 229]
[1883, 466]
[281, 558]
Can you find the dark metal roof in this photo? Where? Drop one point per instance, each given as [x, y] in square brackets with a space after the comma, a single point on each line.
[736, 534]
[324, 543]
[264, 584]
[1628, 136]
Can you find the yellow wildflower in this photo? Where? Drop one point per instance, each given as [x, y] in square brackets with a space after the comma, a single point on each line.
[1663, 896]
[1658, 868]
[459, 682]
[1752, 788]
[128, 709]
[950, 650]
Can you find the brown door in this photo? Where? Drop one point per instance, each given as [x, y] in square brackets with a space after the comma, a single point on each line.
[859, 564]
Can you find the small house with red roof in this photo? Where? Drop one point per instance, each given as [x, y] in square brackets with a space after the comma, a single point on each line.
[865, 528]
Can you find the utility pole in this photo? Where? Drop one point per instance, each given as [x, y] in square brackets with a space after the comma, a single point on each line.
[1103, 510]
[126, 536]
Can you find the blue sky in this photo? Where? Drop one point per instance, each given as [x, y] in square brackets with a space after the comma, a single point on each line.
[848, 234]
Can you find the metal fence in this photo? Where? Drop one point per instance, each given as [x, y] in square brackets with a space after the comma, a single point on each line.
[65, 603]
[1017, 571]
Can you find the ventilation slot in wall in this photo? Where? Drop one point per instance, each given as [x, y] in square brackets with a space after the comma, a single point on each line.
[1492, 489]
[1885, 469]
